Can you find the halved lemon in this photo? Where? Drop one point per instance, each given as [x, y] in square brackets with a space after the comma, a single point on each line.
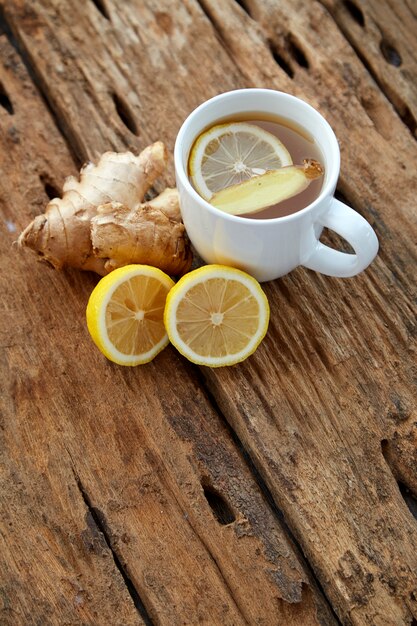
[125, 314]
[216, 315]
[228, 154]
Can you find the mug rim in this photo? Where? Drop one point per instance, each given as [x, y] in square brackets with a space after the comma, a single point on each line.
[180, 167]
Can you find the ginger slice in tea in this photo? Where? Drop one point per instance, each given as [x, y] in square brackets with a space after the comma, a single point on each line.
[262, 191]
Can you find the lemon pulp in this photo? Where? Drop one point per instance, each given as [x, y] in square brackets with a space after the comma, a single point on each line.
[228, 154]
[125, 314]
[216, 315]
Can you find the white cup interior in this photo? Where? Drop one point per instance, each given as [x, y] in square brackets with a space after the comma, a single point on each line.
[266, 101]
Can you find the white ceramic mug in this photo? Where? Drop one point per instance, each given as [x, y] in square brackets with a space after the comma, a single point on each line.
[269, 248]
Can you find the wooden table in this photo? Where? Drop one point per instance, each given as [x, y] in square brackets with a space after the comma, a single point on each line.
[278, 491]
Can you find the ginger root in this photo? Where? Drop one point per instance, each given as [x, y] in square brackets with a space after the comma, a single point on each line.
[102, 223]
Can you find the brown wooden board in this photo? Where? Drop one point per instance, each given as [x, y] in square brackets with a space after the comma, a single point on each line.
[127, 508]
[383, 36]
[326, 406]
[55, 566]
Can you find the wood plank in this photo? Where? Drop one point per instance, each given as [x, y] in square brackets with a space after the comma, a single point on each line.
[55, 567]
[336, 373]
[383, 35]
[344, 366]
[134, 466]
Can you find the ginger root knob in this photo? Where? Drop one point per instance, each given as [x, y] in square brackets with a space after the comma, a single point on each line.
[102, 223]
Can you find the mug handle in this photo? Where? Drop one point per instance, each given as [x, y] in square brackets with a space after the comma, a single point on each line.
[358, 233]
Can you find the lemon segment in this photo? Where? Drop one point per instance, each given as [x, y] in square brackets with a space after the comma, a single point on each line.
[228, 154]
[216, 315]
[125, 314]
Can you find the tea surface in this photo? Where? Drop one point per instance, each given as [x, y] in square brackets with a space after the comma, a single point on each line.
[300, 144]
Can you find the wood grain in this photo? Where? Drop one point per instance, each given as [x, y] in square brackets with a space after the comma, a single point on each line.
[54, 560]
[383, 36]
[130, 506]
[326, 406]
[336, 374]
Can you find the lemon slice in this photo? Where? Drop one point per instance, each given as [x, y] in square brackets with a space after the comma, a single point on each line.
[216, 315]
[125, 314]
[228, 154]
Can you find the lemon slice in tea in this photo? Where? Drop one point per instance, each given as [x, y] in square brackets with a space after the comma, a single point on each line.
[125, 314]
[228, 154]
[216, 315]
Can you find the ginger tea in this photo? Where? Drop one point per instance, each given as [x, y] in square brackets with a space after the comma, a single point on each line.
[236, 162]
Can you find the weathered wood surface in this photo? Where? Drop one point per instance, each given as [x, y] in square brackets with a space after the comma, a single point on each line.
[108, 473]
[383, 35]
[98, 489]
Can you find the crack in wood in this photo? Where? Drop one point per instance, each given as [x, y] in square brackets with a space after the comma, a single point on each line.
[5, 101]
[125, 114]
[280, 59]
[406, 493]
[51, 189]
[290, 50]
[100, 522]
[244, 6]
[218, 504]
[408, 498]
[409, 120]
[297, 52]
[101, 8]
[355, 12]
